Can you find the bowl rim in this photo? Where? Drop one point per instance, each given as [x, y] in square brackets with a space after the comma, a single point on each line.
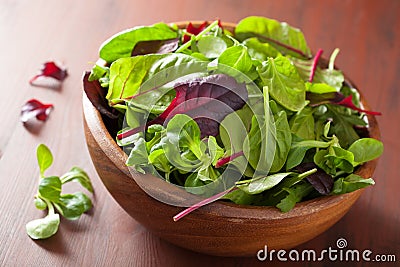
[106, 142]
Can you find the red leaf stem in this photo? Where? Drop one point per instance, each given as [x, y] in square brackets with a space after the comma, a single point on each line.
[315, 64]
[222, 161]
[202, 203]
[348, 102]
[34, 108]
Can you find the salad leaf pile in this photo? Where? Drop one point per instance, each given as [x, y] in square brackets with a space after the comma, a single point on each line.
[265, 107]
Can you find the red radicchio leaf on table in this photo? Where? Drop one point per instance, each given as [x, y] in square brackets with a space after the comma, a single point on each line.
[208, 100]
[34, 108]
[51, 75]
[337, 98]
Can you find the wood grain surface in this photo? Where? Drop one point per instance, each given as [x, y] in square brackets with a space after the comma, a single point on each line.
[367, 32]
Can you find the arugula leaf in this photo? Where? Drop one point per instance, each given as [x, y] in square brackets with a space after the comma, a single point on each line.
[138, 156]
[44, 158]
[283, 37]
[285, 84]
[333, 159]
[214, 150]
[342, 125]
[122, 44]
[295, 194]
[351, 183]
[300, 147]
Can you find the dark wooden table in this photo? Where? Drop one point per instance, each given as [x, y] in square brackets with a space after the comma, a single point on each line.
[367, 32]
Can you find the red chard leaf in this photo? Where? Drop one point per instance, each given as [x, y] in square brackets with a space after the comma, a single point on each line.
[202, 203]
[155, 47]
[348, 102]
[51, 75]
[193, 30]
[315, 64]
[320, 180]
[97, 96]
[222, 161]
[34, 108]
[337, 98]
[207, 100]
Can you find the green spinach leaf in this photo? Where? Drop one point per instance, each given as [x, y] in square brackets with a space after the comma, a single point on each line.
[302, 124]
[259, 50]
[261, 184]
[211, 46]
[351, 183]
[365, 149]
[121, 45]
[285, 84]
[238, 58]
[288, 40]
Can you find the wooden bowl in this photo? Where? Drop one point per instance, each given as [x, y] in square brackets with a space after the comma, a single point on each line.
[220, 228]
